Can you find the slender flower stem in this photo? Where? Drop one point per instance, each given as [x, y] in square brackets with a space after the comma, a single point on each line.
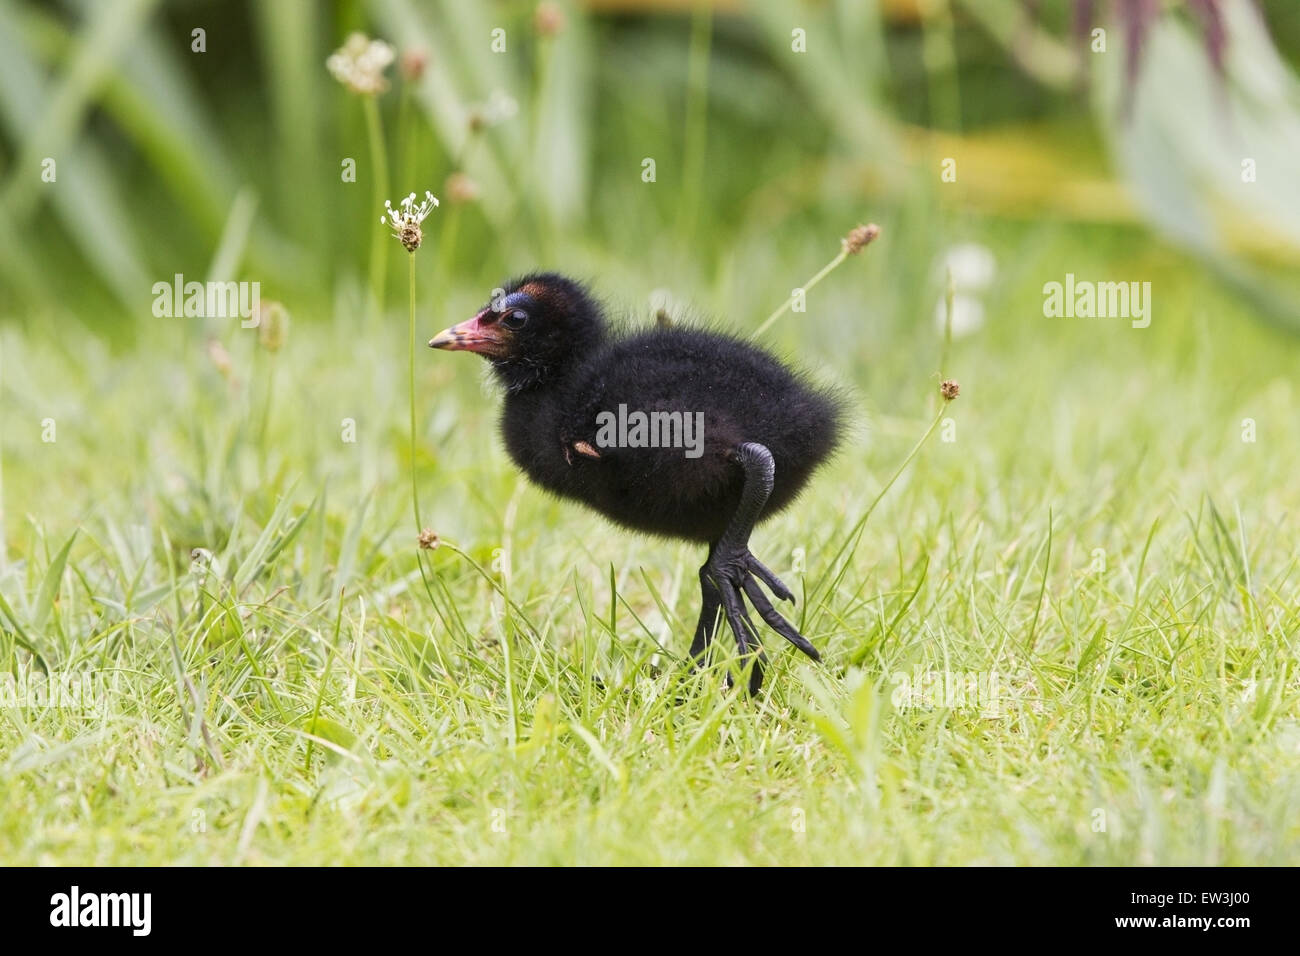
[461, 162]
[851, 540]
[949, 294]
[447, 242]
[920, 443]
[805, 288]
[266, 403]
[415, 497]
[695, 139]
[939, 59]
[378, 159]
[415, 494]
[405, 138]
[903, 467]
[533, 172]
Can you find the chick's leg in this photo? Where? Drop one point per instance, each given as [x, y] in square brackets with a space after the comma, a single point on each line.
[710, 605]
[734, 571]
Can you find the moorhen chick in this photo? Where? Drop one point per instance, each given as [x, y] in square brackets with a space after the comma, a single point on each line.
[680, 432]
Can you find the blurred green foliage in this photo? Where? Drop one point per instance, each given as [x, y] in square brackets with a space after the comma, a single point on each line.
[754, 143]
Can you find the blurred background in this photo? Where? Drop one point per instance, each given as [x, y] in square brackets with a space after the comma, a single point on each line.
[773, 128]
[704, 158]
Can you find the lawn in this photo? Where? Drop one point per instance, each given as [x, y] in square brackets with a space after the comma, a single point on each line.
[1097, 565]
[1063, 631]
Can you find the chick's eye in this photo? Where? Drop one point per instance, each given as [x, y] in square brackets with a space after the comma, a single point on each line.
[514, 320]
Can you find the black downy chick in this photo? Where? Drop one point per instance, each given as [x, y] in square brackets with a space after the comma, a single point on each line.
[747, 434]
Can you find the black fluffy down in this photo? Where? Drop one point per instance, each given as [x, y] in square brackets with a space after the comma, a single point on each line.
[741, 393]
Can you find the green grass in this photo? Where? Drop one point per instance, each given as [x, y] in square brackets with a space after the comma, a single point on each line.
[275, 680]
[301, 698]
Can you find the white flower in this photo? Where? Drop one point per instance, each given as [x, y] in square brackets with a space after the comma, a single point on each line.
[359, 64]
[406, 222]
[972, 267]
[967, 315]
[499, 107]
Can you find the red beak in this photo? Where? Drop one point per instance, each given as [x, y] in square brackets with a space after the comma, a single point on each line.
[481, 334]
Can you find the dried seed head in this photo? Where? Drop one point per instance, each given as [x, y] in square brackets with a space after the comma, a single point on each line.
[272, 325]
[359, 64]
[949, 390]
[220, 359]
[460, 189]
[428, 539]
[413, 63]
[859, 238]
[405, 222]
[548, 19]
